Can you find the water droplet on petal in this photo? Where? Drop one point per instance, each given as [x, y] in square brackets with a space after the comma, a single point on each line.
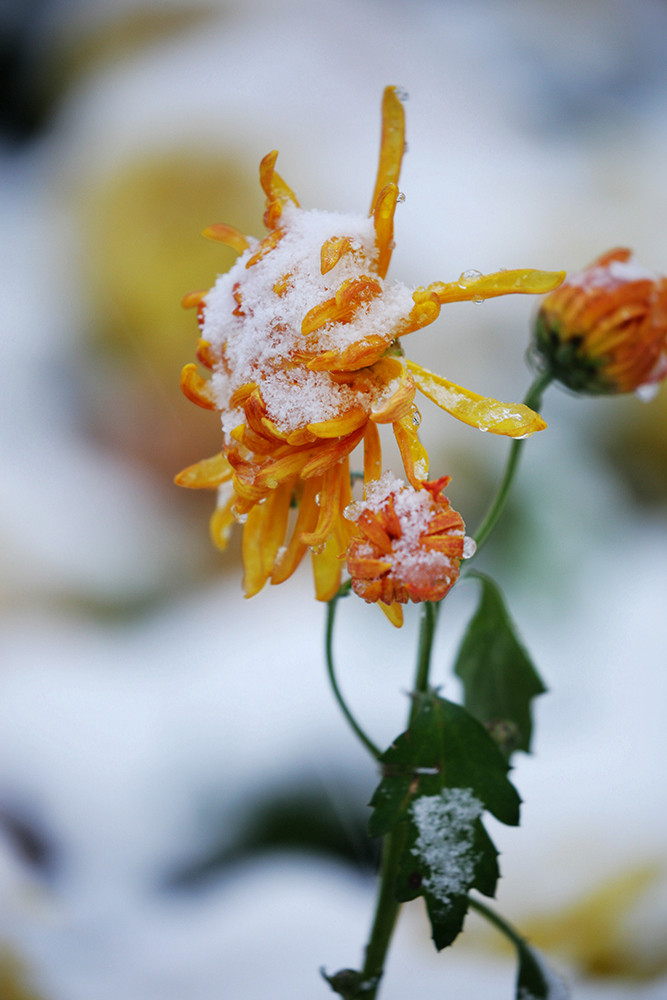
[468, 277]
[416, 417]
[646, 393]
[401, 93]
[469, 547]
[477, 299]
[238, 516]
[401, 198]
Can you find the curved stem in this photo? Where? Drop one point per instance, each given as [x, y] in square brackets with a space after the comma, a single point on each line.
[534, 401]
[328, 652]
[498, 922]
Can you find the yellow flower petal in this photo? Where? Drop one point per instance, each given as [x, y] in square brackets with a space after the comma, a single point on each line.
[399, 403]
[332, 251]
[207, 474]
[288, 560]
[486, 414]
[392, 142]
[358, 355]
[340, 426]
[413, 452]
[231, 237]
[488, 286]
[329, 501]
[262, 537]
[327, 570]
[372, 453]
[196, 388]
[383, 220]
[221, 523]
[394, 612]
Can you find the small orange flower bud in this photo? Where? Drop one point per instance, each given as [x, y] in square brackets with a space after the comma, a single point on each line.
[409, 542]
[605, 329]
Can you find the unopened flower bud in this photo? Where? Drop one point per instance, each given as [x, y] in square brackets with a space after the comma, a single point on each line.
[604, 331]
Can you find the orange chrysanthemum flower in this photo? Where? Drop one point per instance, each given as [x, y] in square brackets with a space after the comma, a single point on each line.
[409, 544]
[301, 338]
[605, 329]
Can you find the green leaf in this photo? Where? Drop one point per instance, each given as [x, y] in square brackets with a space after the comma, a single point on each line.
[439, 777]
[499, 679]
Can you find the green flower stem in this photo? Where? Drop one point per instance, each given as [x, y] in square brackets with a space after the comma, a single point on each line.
[386, 912]
[387, 907]
[498, 922]
[534, 401]
[328, 651]
[427, 626]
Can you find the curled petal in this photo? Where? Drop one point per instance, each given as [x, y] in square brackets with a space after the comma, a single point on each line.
[399, 403]
[285, 467]
[277, 192]
[424, 312]
[367, 567]
[340, 426]
[193, 299]
[255, 412]
[359, 355]
[383, 220]
[370, 526]
[300, 437]
[242, 394]
[392, 142]
[263, 535]
[510, 419]
[372, 453]
[329, 500]
[207, 474]
[290, 557]
[222, 233]
[413, 453]
[266, 246]
[394, 612]
[221, 522]
[450, 545]
[332, 251]
[327, 570]
[351, 294]
[205, 354]
[327, 455]
[197, 389]
[488, 286]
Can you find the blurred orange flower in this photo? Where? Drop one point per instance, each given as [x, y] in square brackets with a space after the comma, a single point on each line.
[409, 544]
[605, 329]
[301, 338]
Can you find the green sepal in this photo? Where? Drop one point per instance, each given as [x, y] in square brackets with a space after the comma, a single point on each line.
[350, 984]
[439, 777]
[499, 678]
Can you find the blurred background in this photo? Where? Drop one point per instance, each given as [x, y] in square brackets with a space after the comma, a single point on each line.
[182, 811]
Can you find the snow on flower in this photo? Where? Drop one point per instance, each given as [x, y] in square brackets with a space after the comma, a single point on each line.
[301, 338]
[409, 544]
